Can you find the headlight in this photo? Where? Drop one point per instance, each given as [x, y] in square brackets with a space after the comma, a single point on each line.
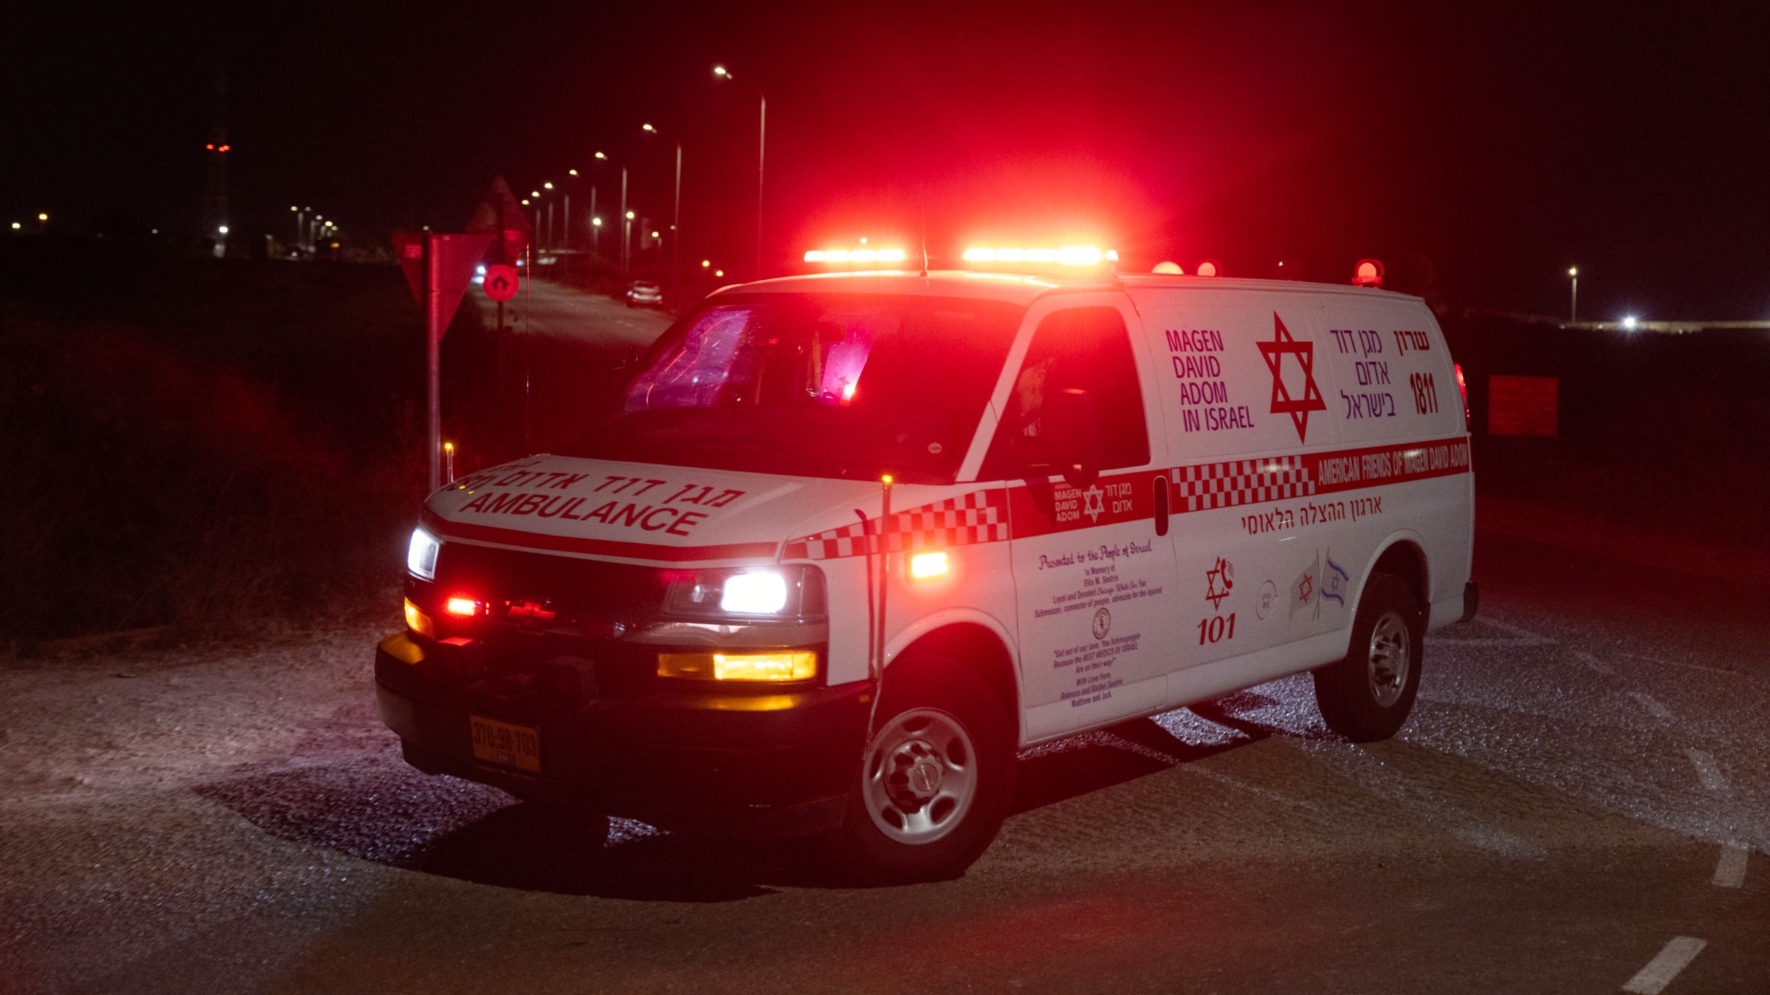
[763, 592]
[421, 554]
[750, 592]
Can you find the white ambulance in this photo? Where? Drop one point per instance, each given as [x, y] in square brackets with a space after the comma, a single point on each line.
[842, 544]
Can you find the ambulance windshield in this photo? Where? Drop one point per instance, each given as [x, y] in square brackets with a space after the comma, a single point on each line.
[813, 385]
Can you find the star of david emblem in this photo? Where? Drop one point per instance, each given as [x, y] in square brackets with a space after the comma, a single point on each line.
[1218, 580]
[1095, 505]
[1306, 589]
[1282, 401]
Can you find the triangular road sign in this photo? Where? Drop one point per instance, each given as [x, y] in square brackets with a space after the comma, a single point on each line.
[448, 260]
[502, 215]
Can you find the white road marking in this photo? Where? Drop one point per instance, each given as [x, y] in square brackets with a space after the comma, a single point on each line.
[1524, 637]
[1596, 664]
[1687, 666]
[1652, 705]
[1712, 778]
[1730, 872]
[1659, 972]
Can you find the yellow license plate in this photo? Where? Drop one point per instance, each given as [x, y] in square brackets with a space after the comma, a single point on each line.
[502, 743]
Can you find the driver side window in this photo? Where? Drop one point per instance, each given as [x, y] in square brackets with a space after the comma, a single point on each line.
[1083, 348]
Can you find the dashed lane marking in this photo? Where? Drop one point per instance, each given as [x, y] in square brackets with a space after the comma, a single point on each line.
[1653, 706]
[1712, 778]
[1596, 664]
[1730, 872]
[1659, 972]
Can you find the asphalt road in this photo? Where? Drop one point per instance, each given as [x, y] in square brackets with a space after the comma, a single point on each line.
[562, 347]
[1579, 797]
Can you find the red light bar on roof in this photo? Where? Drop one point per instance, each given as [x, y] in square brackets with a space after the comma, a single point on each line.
[1067, 255]
[855, 256]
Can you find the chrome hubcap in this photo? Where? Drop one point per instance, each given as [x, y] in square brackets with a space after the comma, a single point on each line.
[1390, 658]
[920, 776]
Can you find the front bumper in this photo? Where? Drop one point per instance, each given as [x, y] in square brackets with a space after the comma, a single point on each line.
[748, 764]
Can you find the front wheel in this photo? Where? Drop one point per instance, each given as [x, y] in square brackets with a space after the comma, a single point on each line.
[935, 782]
[1368, 695]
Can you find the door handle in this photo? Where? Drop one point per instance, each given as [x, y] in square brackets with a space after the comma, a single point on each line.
[1161, 504]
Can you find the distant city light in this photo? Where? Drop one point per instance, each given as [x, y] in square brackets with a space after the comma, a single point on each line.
[718, 272]
[630, 215]
[548, 185]
[42, 217]
[704, 263]
[222, 229]
[1629, 322]
[595, 221]
[572, 172]
[647, 127]
[16, 226]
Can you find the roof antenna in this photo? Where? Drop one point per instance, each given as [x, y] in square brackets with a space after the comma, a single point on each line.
[924, 199]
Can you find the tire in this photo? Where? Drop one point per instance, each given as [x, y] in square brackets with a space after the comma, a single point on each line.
[935, 782]
[1367, 696]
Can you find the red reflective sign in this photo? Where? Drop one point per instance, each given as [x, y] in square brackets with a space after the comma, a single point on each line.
[501, 282]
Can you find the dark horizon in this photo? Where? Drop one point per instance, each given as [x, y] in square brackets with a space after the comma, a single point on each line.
[1503, 144]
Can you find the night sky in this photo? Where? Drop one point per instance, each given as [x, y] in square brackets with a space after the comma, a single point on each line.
[1500, 143]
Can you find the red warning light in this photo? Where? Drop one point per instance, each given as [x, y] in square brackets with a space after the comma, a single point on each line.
[1209, 267]
[224, 148]
[210, 146]
[1368, 273]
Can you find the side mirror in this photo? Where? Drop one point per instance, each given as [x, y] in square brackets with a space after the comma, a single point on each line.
[1068, 442]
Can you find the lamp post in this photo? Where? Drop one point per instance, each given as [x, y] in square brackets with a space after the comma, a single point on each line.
[625, 214]
[1573, 305]
[676, 211]
[761, 154]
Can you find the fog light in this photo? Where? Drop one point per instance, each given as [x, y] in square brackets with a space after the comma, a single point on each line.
[782, 666]
[419, 622]
[927, 566]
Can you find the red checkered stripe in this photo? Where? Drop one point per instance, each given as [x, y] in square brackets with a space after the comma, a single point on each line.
[980, 516]
[1204, 486]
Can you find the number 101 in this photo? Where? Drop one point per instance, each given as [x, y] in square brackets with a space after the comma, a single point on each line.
[1215, 630]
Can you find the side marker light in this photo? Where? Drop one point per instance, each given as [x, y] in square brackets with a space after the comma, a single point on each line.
[418, 621]
[927, 566]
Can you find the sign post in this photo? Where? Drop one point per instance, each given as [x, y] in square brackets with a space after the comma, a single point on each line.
[439, 269]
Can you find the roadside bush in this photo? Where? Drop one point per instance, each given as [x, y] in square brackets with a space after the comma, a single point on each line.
[151, 486]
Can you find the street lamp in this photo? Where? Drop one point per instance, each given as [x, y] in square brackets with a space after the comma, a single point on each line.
[676, 211]
[721, 72]
[624, 212]
[1573, 306]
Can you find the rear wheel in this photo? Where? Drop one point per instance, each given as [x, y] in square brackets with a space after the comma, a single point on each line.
[936, 779]
[1368, 695]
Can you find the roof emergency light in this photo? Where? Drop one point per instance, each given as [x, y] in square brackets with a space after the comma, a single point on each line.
[855, 256]
[1368, 273]
[1065, 255]
[1168, 268]
[1209, 267]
